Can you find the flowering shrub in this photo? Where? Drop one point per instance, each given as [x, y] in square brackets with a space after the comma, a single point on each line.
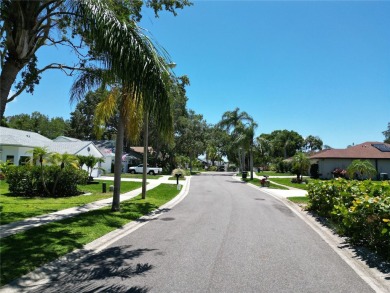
[339, 173]
[360, 210]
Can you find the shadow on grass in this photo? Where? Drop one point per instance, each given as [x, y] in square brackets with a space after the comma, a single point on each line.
[43, 244]
[101, 272]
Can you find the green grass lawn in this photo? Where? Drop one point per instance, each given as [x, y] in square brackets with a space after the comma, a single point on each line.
[18, 208]
[287, 182]
[299, 199]
[174, 178]
[134, 176]
[256, 182]
[23, 252]
[273, 173]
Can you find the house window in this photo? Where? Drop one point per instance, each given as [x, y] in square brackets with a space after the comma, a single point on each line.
[10, 160]
[24, 160]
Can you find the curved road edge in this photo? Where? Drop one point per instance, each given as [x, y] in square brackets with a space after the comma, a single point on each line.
[44, 274]
[372, 276]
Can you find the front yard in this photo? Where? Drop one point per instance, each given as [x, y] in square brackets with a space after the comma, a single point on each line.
[15, 208]
[23, 252]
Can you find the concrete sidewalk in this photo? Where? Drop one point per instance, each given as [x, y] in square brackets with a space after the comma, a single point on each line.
[20, 226]
[291, 192]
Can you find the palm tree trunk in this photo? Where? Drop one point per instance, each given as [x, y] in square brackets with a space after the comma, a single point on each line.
[251, 162]
[145, 161]
[240, 161]
[43, 178]
[118, 164]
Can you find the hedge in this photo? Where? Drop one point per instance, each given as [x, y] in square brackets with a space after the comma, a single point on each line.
[360, 210]
[27, 180]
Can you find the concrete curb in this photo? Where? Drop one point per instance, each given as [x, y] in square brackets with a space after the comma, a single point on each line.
[372, 276]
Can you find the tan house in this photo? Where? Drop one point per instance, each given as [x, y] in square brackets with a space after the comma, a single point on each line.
[378, 153]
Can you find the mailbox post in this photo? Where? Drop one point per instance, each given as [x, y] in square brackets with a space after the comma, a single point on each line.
[177, 178]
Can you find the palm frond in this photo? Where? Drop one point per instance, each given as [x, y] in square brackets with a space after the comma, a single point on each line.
[129, 54]
[89, 80]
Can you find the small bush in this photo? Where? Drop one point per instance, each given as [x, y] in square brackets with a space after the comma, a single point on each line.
[180, 171]
[299, 181]
[339, 173]
[212, 168]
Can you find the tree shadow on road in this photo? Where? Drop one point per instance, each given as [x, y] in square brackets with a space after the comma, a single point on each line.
[106, 271]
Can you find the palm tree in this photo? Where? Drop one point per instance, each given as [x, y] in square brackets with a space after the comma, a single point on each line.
[232, 120]
[361, 169]
[245, 137]
[134, 66]
[63, 160]
[130, 109]
[300, 164]
[40, 154]
[263, 148]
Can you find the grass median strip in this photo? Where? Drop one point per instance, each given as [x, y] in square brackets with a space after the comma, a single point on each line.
[287, 182]
[134, 176]
[256, 182]
[23, 252]
[19, 208]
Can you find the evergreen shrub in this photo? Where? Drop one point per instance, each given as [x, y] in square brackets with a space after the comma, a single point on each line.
[27, 180]
[360, 210]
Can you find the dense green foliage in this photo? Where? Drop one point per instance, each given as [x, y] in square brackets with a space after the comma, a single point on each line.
[37, 122]
[26, 180]
[360, 210]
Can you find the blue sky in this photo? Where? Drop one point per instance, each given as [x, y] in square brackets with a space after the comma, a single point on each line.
[316, 67]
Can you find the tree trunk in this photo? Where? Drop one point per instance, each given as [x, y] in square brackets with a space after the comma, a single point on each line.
[8, 75]
[118, 164]
[145, 161]
[251, 162]
[240, 161]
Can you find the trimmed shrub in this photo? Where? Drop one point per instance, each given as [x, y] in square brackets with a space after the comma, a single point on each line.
[359, 209]
[27, 181]
[180, 171]
[212, 168]
[23, 180]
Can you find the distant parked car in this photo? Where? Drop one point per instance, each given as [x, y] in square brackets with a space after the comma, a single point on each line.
[221, 168]
[149, 170]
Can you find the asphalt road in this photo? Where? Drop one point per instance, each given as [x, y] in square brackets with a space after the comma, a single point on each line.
[223, 237]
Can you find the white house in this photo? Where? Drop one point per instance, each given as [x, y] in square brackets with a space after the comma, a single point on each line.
[378, 153]
[16, 146]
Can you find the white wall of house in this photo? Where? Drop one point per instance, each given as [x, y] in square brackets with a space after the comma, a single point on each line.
[91, 150]
[16, 152]
[326, 166]
[106, 165]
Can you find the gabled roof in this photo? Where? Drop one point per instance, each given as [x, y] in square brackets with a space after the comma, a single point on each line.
[70, 147]
[22, 138]
[65, 138]
[16, 137]
[366, 150]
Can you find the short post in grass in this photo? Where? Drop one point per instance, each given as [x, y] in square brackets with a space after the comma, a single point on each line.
[104, 187]
[177, 180]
